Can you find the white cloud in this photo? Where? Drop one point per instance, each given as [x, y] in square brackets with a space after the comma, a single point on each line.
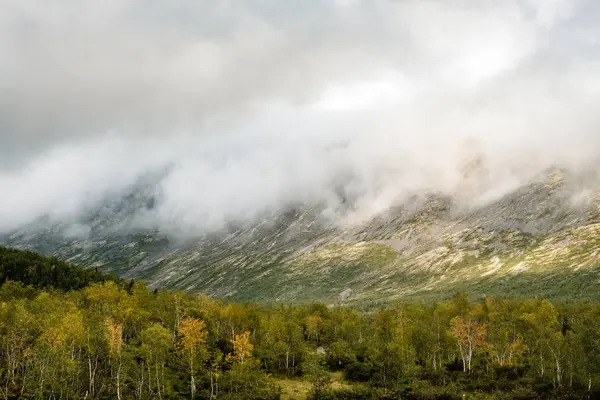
[262, 103]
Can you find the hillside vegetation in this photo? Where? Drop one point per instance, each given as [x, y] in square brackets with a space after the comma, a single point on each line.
[541, 239]
[103, 341]
[30, 268]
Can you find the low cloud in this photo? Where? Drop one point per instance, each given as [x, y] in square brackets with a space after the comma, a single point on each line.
[251, 107]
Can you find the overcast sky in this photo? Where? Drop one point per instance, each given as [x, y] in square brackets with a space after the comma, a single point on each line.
[255, 104]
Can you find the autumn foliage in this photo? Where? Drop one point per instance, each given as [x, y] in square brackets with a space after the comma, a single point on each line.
[242, 348]
[109, 341]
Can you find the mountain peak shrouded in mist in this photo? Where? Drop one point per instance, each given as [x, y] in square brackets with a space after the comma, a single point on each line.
[350, 143]
[349, 105]
[537, 239]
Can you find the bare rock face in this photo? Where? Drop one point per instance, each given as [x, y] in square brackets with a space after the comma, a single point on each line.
[541, 239]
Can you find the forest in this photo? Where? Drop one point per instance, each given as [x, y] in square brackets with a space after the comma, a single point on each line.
[70, 333]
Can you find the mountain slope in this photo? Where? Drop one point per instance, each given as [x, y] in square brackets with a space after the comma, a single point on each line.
[537, 240]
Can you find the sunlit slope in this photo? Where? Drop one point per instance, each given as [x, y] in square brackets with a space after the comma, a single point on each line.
[541, 239]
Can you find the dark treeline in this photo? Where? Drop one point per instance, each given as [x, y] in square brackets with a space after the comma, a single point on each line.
[113, 341]
[38, 271]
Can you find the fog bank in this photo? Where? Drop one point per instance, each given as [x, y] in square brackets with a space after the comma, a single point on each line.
[253, 106]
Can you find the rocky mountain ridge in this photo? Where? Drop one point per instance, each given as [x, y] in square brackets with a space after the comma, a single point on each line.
[540, 239]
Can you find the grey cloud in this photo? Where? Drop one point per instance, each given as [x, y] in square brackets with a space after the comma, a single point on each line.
[262, 103]
[78, 68]
[75, 68]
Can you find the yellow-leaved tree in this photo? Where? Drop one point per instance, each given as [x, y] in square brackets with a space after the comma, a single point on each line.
[193, 341]
[469, 336]
[313, 327]
[114, 337]
[242, 348]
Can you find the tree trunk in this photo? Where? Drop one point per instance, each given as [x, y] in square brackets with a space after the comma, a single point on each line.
[558, 372]
[287, 360]
[140, 384]
[192, 386]
[119, 380]
[158, 382]
[92, 375]
[463, 357]
[42, 379]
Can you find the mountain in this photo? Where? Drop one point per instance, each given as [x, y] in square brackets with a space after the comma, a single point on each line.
[541, 239]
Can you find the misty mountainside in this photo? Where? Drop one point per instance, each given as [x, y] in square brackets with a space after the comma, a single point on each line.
[542, 239]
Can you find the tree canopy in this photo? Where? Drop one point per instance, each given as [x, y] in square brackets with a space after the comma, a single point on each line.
[98, 338]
